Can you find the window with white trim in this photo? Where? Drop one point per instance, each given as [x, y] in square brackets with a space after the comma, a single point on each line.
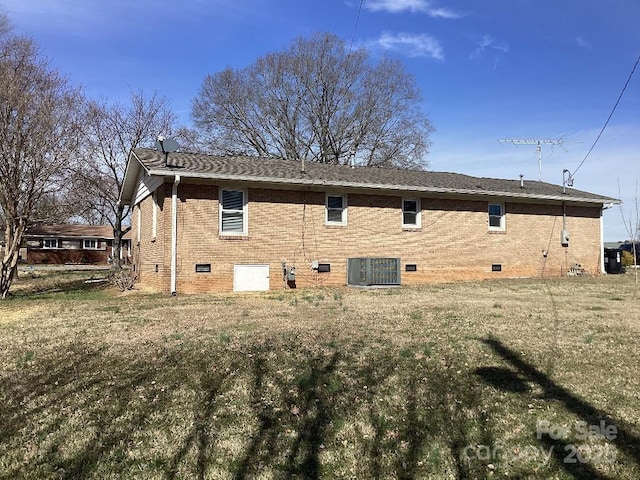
[50, 243]
[233, 212]
[90, 244]
[411, 213]
[336, 210]
[496, 217]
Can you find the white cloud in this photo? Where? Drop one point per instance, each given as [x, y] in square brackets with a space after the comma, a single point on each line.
[444, 13]
[488, 42]
[416, 6]
[412, 45]
[581, 42]
[396, 6]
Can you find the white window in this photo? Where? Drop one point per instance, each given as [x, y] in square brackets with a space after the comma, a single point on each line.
[50, 243]
[496, 217]
[233, 212]
[336, 210]
[90, 244]
[411, 213]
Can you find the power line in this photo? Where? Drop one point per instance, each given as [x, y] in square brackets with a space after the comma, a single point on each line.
[609, 118]
[355, 27]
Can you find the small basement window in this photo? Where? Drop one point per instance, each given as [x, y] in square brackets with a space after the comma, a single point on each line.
[411, 267]
[203, 268]
[324, 267]
[496, 267]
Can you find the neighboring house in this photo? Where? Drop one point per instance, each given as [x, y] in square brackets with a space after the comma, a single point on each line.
[203, 223]
[73, 244]
[125, 248]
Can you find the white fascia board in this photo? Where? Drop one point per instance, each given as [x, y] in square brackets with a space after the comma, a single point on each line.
[373, 186]
[131, 178]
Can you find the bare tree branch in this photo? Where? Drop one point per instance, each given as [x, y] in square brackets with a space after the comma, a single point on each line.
[39, 139]
[320, 102]
[111, 131]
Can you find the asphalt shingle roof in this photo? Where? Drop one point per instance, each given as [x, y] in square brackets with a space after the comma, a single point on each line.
[280, 171]
[84, 231]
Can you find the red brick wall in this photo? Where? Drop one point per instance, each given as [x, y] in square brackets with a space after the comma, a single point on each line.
[62, 256]
[453, 243]
[70, 251]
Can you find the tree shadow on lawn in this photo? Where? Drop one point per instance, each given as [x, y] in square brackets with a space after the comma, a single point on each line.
[516, 378]
[408, 407]
[76, 409]
[317, 411]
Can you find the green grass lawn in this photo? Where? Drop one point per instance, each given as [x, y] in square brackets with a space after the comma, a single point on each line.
[496, 379]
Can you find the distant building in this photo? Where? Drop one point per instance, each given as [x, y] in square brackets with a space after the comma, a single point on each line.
[71, 244]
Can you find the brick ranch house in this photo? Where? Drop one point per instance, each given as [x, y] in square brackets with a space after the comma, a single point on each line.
[203, 223]
[70, 244]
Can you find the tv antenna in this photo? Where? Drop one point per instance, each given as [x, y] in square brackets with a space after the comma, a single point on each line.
[538, 143]
[166, 146]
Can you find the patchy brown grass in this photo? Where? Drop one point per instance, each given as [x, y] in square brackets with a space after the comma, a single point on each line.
[440, 381]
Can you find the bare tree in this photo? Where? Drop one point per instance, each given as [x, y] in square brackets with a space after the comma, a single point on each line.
[38, 139]
[5, 25]
[111, 131]
[632, 225]
[317, 101]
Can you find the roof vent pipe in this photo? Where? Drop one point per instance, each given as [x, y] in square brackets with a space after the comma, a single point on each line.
[521, 181]
[352, 159]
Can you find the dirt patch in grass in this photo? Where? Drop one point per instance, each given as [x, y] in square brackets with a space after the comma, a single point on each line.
[474, 380]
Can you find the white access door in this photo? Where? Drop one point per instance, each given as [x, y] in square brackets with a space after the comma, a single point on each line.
[250, 278]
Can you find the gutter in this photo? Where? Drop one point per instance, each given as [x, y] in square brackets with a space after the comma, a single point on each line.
[174, 233]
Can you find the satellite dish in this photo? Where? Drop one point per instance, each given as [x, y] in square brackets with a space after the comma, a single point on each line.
[166, 145]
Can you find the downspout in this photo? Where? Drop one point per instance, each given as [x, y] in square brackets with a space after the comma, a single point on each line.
[604, 207]
[174, 233]
[602, 270]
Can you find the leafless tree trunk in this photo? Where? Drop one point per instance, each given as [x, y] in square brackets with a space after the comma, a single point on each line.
[39, 115]
[111, 131]
[320, 102]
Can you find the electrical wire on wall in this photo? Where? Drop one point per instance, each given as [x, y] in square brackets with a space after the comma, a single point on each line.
[300, 249]
[315, 278]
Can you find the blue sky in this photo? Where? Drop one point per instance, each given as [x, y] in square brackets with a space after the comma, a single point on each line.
[488, 70]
